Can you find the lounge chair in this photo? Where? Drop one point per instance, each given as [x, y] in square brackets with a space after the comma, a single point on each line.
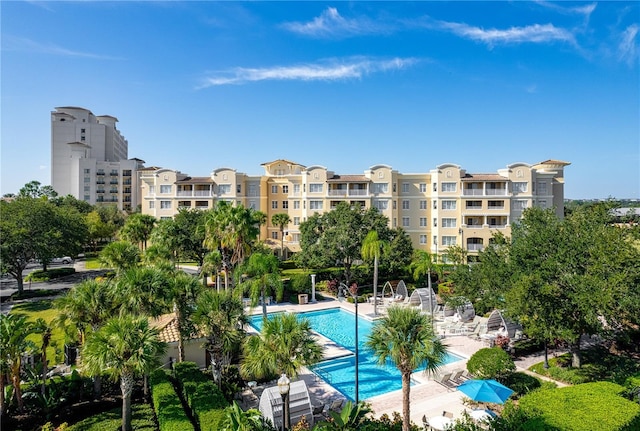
[317, 412]
[455, 377]
[445, 380]
[336, 405]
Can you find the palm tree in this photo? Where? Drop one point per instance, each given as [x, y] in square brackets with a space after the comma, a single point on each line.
[220, 316]
[284, 345]
[281, 220]
[264, 276]
[423, 264]
[14, 330]
[182, 293]
[238, 420]
[119, 255]
[137, 229]
[143, 290]
[42, 327]
[372, 247]
[407, 338]
[212, 264]
[123, 348]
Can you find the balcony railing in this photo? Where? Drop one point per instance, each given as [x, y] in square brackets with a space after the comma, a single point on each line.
[358, 192]
[472, 192]
[496, 192]
[498, 226]
[337, 192]
[100, 173]
[475, 247]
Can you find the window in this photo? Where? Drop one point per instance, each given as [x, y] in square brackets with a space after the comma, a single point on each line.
[423, 205]
[315, 205]
[542, 188]
[253, 190]
[224, 189]
[496, 204]
[423, 239]
[542, 204]
[448, 222]
[395, 222]
[315, 188]
[87, 179]
[423, 222]
[165, 190]
[405, 187]
[285, 189]
[519, 187]
[274, 205]
[435, 187]
[380, 187]
[87, 188]
[395, 205]
[423, 187]
[381, 205]
[285, 205]
[296, 221]
[448, 205]
[274, 190]
[152, 190]
[87, 171]
[519, 204]
[252, 205]
[448, 240]
[435, 205]
[87, 198]
[165, 205]
[435, 222]
[474, 205]
[296, 189]
[296, 205]
[239, 188]
[448, 187]
[405, 221]
[405, 204]
[83, 130]
[274, 235]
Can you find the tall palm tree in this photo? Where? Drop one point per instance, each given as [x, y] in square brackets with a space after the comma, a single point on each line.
[220, 316]
[264, 276]
[182, 292]
[407, 338]
[137, 229]
[119, 255]
[281, 220]
[143, 290]
[125, 347]
[284, 345]
[14, 330]
[423, 264]
[372, 248]
[212, 264]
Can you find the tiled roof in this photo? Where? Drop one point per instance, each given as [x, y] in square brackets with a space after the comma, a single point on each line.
[484, 177]
[348, 178]
[168, 326]
[194, 180]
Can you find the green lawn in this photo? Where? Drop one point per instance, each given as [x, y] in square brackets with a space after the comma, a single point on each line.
[44, 310]
[142, 420]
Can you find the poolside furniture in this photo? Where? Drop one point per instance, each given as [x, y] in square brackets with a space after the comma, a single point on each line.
[318, 412]
[336, 405]
[445, 380]
[425, 422]
[440, 423]
[455, 377]
[447, 414]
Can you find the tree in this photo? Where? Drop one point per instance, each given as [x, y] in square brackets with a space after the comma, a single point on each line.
[336, 237]
[491, 363]
[212, 264]
[137, 229]
[144, 291]
[182, 292]
[220, 316]
[14, 331]
[35, 190]
[44, 329]
[123, 348]
[284, 345]
[281, 220]
[407, 338]
[372, 248]
[119, 255]
[263, 275]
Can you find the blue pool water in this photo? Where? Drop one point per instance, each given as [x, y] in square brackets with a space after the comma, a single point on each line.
[339, 326]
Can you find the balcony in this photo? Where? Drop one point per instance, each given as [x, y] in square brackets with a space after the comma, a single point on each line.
[337, 192]
[100, 182]
[113, 191]
[113, 173]
[113, 182]
[126, 182]
[473, 192]
[496, 192]
[474, 247]
[100, 173]
[99, 191]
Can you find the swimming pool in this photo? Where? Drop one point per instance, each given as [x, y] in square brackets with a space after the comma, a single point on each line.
[338, 325]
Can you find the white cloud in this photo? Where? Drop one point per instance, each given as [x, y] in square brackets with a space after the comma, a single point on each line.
[331, 24]
[585, 10]
[535, 33]
[14, 43]
[627, 48]
[333, 70]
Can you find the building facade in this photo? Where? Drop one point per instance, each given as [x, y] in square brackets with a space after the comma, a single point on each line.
[440, 208]
[89, 159]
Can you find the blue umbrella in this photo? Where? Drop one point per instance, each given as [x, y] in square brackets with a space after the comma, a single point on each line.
[488, 391]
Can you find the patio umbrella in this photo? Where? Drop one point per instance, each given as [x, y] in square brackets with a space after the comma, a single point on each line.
[488, 391]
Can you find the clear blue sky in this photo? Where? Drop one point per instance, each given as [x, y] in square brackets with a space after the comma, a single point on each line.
[347, 85]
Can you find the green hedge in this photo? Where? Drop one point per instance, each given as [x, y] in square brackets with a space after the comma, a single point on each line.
[171, 416]
[203, 397]
[141, 420]
[584, 407]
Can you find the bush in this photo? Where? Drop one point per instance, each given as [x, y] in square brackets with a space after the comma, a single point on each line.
[491, 363]
[171, 416]
[522, 383]
[589, 406]
[300, 283]
[50, 274]
[141, 419]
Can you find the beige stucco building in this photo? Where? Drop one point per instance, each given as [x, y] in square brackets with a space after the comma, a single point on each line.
[442, 207]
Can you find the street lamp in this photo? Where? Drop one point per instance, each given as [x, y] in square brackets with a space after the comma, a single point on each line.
[283, 387]
[353, 291]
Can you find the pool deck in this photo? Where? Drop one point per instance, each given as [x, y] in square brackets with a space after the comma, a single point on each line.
[427, 396]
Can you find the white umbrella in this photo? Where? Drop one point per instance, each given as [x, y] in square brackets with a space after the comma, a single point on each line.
[482, 415]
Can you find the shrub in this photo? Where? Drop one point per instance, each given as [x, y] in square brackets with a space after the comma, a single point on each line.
[588, 406]
[141, 420]
[522, 383]
[171, 416]
[300, 283]
[491, 363]
[50, 274]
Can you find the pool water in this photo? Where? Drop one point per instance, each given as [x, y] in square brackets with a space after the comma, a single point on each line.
[339, 326]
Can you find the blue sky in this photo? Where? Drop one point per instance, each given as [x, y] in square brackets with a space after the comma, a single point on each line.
[347, 85]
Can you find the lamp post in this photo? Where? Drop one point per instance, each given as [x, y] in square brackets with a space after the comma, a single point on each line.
[353, 291]
[283, 387]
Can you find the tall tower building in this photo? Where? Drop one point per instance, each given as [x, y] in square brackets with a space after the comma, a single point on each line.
[89, 159]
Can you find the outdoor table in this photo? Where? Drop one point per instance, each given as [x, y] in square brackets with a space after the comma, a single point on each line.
[480, 415]
[440, 423]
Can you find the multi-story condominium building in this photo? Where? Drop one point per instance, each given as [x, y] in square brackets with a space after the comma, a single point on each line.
[89, 159]
[440, 208]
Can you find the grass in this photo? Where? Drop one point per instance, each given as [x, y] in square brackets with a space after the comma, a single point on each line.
[44, 310]
[92, 263]
[598, 364]
[142, 420]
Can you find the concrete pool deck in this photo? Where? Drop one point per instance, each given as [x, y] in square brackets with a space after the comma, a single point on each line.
[427, 396]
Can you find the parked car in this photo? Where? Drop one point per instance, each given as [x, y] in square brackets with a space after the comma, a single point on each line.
[64, 260]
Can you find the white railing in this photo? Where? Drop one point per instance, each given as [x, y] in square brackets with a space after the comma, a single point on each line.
[496, 192]
[474, 247]
[203, 193]
[337, 192]
[358, 192]
[472, 192]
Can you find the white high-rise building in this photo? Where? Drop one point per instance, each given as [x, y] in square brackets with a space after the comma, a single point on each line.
[89, 159]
